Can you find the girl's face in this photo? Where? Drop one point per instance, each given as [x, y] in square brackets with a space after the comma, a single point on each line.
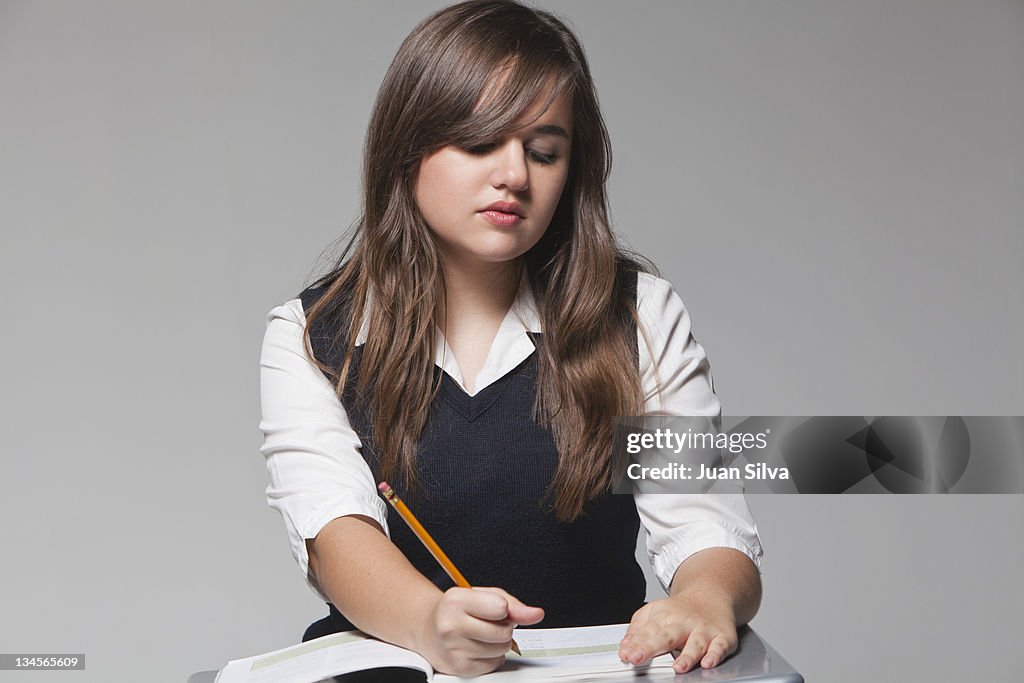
[491, 204]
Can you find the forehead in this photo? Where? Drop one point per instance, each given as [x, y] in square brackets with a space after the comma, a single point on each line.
[512, 100]
[547, 111]
[550, 108]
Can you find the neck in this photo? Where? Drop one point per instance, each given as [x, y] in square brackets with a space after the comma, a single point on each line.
[481, 291]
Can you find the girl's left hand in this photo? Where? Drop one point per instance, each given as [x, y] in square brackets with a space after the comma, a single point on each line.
[702, 626]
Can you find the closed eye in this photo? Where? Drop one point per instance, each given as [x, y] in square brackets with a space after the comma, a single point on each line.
[541, 158]
[534, 155]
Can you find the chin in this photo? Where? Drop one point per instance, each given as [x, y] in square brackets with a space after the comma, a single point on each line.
[496, 253]
[497, 258]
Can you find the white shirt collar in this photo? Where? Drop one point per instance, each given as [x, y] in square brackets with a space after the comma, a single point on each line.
[524, 308]
[511, 345]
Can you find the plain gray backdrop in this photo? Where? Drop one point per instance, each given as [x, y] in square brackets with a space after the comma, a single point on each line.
[836, 189]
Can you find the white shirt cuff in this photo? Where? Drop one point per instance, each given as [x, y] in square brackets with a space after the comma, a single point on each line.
[697, 536]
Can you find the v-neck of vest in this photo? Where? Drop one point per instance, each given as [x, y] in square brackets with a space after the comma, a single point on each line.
[472, 407]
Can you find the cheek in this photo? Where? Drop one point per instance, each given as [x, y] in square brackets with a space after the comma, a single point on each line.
[439, 183]
[430, 190]
[426, 180]
[553, 192]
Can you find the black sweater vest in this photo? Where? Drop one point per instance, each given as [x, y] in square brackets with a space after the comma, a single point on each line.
[484, 466]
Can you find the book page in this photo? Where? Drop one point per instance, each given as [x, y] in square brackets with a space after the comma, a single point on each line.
[569, 653]
[321, 658]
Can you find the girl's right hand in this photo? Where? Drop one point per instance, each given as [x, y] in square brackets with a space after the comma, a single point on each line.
[470, 629]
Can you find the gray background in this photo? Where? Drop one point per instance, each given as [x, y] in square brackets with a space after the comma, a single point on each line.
[836, 189]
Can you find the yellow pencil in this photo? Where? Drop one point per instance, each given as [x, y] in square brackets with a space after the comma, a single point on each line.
[428, 541]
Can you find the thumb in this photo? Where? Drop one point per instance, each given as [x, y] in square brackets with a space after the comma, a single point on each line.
[522, 614]
[519, 613]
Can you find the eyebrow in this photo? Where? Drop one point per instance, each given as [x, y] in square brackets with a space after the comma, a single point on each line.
[551, 129]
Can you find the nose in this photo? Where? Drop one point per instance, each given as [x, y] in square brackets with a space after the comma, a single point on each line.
[510, 168]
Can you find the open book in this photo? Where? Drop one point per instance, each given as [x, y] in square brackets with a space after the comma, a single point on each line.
[548, 655]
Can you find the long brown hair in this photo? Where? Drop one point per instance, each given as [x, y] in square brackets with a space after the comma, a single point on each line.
[436, 93]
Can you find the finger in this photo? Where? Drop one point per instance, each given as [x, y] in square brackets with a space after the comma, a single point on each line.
[627, 647]
[523, 614]
[516, 610]
[486, 603]
[484, 631]
[640, 619]
[721, 647]
[651, 640]
[486, 650]
[486, 665]
[695, 648]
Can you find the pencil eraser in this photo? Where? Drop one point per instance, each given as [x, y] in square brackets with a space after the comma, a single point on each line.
[383, 487]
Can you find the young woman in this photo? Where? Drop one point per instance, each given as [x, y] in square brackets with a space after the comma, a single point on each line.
[471, 347]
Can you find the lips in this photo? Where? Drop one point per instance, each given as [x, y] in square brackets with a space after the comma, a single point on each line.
[506, 207]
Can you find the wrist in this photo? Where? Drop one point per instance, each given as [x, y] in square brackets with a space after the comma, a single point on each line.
[720, 578]
[708, 599]
[421, 631]
[703, 592]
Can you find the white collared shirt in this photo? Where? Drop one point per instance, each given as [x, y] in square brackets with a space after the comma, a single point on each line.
[317, 473]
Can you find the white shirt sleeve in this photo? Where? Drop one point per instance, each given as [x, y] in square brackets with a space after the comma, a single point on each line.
[676, 380]
[313, 455]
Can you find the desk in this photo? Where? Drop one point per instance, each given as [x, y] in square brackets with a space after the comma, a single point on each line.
[754, 660]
